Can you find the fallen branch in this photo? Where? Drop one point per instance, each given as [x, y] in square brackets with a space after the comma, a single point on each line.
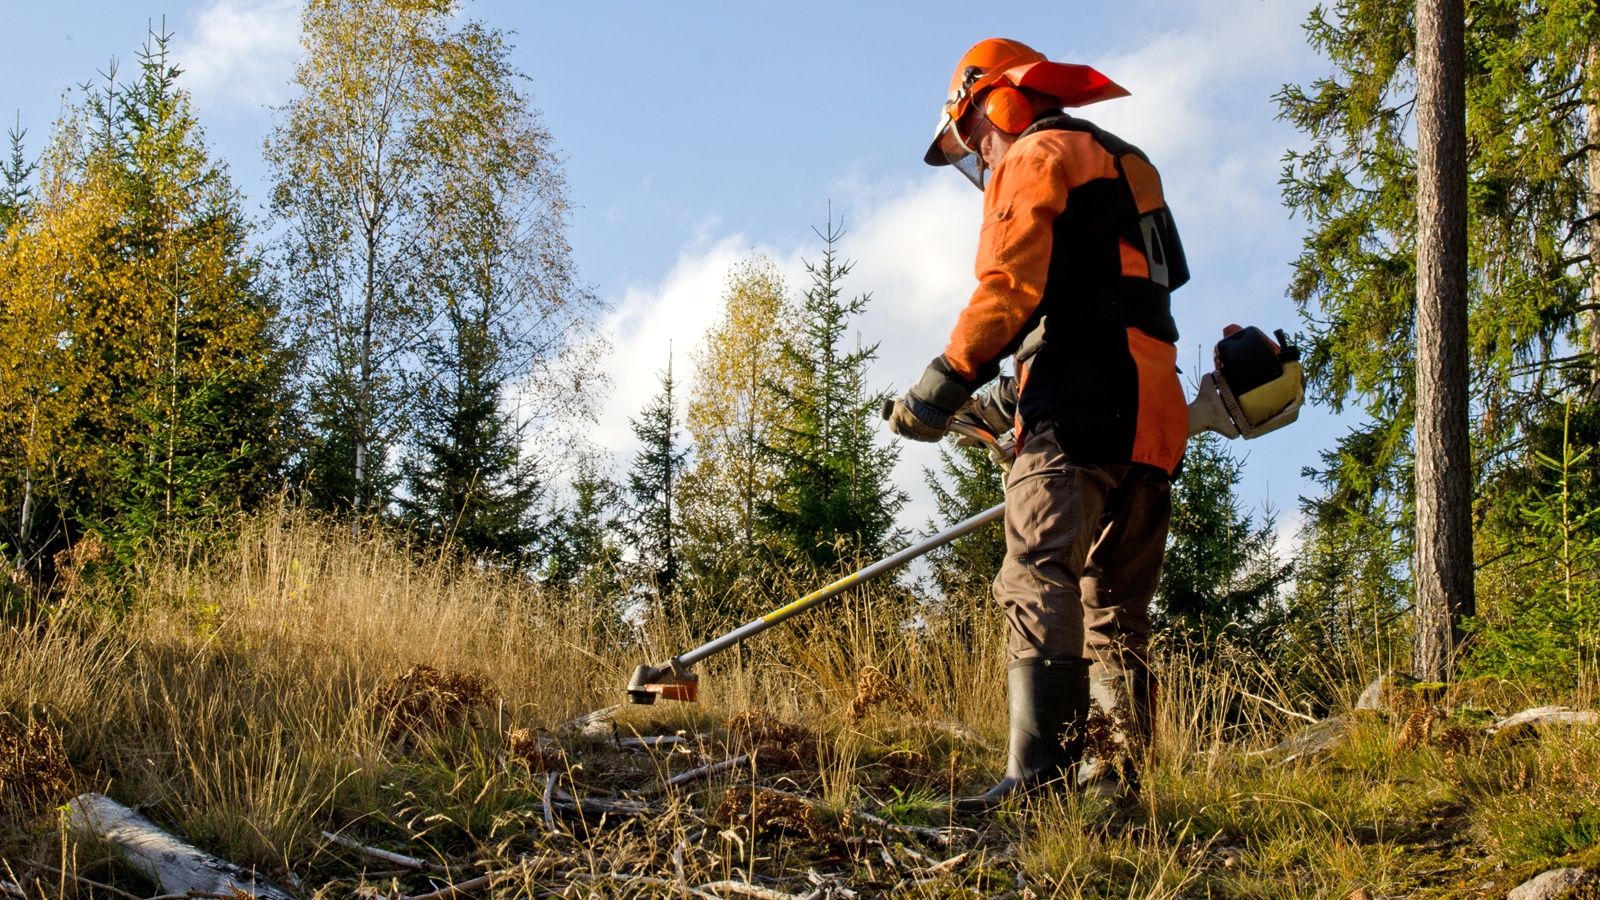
[652, 742]
[452, 891]
[699, 772]
[561, 798]
[949, 865]
[593, 724]
[941, 836]
[399, 859]
[1283, 709]
[549, 810]
[827, 886]
[174, 866]
[743, 889]
[101, 886]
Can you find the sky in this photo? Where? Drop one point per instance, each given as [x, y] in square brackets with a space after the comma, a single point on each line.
[694, 134]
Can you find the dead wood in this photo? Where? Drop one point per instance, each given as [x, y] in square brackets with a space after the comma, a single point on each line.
[399, 859]
[698, 773]
[175, 867]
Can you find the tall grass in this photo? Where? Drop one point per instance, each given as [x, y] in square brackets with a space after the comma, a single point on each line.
[233, 703]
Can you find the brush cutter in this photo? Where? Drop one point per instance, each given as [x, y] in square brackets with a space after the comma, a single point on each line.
[672, 680]
[1257, 387]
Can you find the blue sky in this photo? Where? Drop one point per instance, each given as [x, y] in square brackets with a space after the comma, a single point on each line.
[696, 133]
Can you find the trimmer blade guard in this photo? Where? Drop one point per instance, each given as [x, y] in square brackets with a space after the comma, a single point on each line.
[667, 682]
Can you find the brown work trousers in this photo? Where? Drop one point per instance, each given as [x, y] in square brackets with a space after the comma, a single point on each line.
[1083, 554]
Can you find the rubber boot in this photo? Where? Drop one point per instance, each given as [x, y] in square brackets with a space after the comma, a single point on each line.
[1049, 702]
[1119, 734]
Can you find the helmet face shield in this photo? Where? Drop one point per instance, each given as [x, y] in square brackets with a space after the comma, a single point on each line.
[955, 151]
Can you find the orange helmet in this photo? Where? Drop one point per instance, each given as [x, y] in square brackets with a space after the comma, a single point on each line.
[993, 70]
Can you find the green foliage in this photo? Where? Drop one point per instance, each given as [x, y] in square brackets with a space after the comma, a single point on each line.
[971, 483]
[1545, 629]
[1529, 78]
[833, 500]
[731, 418]
[1343, 617]
[1221, 574]
[144, 390]
[470, 482]
[16, 194]
[580, 547]
[653, 488]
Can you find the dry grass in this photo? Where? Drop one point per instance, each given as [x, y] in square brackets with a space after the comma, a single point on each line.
[302, 680]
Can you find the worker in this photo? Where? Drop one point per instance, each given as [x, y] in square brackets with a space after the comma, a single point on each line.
[1077, 257]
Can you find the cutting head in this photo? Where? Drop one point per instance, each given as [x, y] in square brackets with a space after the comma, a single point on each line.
[668, 682]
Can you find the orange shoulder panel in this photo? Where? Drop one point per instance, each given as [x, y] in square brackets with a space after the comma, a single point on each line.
[1026, 193]
[1162, 428]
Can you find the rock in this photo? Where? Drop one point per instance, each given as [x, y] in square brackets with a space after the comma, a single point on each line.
[1550, 885]
[1399, 695]
[1315, 738]
[1372, 697]
[1547, 715]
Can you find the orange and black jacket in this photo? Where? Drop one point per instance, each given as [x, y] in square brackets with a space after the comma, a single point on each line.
[1077, 235]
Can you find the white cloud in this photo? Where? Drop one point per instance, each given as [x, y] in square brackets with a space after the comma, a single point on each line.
[649, 319]
[238, 55]
[1201, 109]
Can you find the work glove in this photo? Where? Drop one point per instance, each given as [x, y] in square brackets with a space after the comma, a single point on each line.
[923, 414]
[906, 420]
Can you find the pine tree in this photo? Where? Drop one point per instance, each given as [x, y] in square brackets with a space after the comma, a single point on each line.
[653, 486]
[1220, 576]
[833, 501]
[1529, 71]
[1443, 567]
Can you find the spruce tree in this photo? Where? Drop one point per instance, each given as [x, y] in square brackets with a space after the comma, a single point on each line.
[144, 378]
[1220, 577]
[833, 501]
[971, 483]
[469, 481]
[1532, 251]
[15, 190]
[653, 489]
[581, 551]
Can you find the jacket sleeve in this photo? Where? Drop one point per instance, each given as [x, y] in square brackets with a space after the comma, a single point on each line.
[1028, 191]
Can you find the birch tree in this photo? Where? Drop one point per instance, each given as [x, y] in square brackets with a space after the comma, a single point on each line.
[351, 157]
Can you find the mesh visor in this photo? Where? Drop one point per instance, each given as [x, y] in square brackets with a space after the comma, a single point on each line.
[955, 152]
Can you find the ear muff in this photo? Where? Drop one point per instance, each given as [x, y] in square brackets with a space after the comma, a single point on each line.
[1007, 109]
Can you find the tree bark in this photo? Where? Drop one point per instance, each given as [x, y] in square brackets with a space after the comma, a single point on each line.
[1591, 72]
[175, 867]
[1443, 560]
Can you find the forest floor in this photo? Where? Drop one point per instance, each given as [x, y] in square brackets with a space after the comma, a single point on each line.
[300, 699]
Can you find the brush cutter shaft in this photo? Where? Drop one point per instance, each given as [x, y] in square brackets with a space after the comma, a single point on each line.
[888, 563]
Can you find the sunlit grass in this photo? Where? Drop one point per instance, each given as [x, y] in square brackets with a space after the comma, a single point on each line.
[233, 703]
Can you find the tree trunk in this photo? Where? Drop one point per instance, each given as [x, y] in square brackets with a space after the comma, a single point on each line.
[1443, 562]
[1591, 71]
[364, 385]
[174, 867]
